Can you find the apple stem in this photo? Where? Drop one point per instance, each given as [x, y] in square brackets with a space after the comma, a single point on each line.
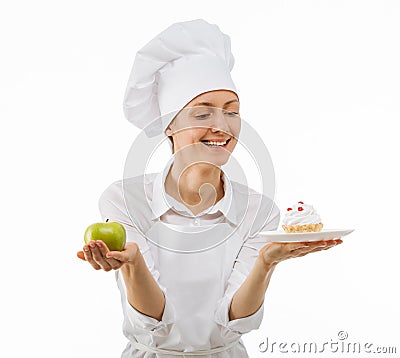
[106, 220]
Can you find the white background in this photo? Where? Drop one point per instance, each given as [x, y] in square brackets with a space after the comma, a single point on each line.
[319, 80]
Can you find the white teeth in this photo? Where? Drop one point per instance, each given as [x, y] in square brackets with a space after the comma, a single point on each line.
[215, 143]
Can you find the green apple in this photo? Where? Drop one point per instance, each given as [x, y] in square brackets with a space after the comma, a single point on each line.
[113, 234]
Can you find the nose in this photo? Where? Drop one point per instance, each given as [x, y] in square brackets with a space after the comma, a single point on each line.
[220, 122]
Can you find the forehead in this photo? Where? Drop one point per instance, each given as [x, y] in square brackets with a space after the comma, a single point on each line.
[214, 98]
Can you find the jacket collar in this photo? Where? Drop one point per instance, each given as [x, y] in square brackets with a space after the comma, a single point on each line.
[160, 204]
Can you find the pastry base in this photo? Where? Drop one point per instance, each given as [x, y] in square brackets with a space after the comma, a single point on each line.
[303, 228]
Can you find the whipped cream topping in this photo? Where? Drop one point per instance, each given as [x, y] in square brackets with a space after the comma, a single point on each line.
[301, 214]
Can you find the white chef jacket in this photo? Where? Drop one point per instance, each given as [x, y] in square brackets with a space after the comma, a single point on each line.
[197, 273]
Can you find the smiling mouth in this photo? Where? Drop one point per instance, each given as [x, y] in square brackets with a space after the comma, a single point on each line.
[215, 144]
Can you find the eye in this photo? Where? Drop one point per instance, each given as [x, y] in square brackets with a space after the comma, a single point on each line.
[231, 113]
[202, 116]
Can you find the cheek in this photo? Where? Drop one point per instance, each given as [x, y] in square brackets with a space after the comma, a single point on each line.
[235, 128]
[232, 144]
[190, 136]
[197, 134]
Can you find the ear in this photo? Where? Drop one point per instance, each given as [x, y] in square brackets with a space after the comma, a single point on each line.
[169, 130]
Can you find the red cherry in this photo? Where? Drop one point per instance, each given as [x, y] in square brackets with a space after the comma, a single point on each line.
[288, 209]
[300, 208]
[300, 202]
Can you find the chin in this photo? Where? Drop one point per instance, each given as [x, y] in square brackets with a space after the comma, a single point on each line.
[197, 152]
[218, 159]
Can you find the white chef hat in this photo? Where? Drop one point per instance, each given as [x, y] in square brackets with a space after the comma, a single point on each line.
[185, 60]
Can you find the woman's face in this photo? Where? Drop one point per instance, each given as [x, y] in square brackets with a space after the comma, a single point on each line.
[207, 128]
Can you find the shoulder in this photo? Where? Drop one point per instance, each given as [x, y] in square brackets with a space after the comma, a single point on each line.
[259, 208]
[243, 193]
[113, 200]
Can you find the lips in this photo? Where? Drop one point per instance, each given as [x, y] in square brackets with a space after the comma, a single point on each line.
[216, 143]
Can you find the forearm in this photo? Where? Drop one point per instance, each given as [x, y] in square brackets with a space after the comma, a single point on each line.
[143, 292]
[250, 296]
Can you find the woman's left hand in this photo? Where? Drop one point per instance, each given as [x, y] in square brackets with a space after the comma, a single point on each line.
[275, 252]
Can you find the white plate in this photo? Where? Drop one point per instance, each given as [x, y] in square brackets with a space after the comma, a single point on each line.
[282, 236]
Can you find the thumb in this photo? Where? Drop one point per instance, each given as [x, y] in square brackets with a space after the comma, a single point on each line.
[128, 254]
[118, 255]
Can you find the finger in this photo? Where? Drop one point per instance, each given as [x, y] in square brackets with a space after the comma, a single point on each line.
[319, 248]
[309, 245]
[81, 255]
[315, 246]
[98, 257]
[321, 243]
[335, 243]
[95, 257]
[291, 246]
[315, 250]
[104, 251]
[115, 264]
[89, 258]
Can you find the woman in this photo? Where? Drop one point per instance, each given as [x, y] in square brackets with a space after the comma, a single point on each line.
[194, 273]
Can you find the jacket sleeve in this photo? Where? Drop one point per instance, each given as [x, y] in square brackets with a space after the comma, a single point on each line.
[243, 265]
[112, 207]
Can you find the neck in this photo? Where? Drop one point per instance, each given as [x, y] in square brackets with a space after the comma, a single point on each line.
[198, 186]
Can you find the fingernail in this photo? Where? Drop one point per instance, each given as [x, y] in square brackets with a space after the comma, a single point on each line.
[92, 244]
[98, 244]
[85, 248]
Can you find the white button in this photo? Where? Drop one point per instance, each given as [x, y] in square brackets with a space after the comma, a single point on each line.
[197, 221]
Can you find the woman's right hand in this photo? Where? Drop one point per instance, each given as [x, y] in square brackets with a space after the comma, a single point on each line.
[101, 258]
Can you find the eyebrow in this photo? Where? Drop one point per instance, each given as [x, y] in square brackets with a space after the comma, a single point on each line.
[212, 105]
